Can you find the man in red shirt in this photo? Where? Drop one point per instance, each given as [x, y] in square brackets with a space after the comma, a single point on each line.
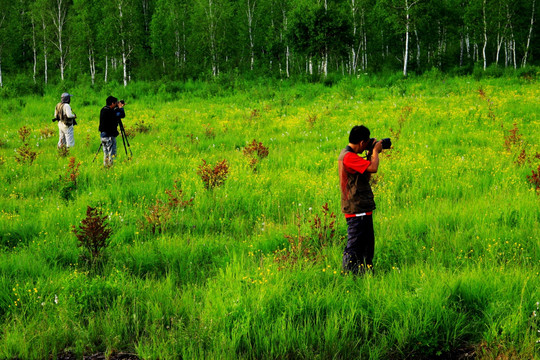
[357, 201]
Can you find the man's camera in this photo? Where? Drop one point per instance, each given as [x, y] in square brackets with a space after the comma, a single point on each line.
[386, 144]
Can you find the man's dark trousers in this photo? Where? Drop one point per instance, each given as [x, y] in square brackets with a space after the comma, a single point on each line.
[358, 254]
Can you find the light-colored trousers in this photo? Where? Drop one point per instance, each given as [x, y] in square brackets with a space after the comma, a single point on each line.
[65, 134]
[109, 149]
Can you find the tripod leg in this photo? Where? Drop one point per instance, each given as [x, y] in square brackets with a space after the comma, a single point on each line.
[99, 148]
[125, 140]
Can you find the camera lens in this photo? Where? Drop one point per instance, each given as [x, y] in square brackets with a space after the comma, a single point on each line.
[386, 143]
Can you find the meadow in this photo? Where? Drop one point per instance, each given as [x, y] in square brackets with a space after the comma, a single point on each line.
[251, 268]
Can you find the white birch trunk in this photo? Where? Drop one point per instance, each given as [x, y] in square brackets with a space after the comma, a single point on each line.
[106, 68]
[92, 64]
[364, 32]
[524, 61]
[287, 54]
[177, 46]
[461, 46]
[485, 33]
[468, 44]
[407, 8]
[287, 51]
[500, 39]
[417, 48]
[354, 61]
[406, 55]
[45, 51]
[512, 39]
[123, 42]
[250, 12]
[59, 20]
[325, 61]
[184, 48]
[212, 32]
[34, 49]
[124, 63]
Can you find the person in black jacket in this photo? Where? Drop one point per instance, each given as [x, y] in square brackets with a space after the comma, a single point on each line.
[109, 118]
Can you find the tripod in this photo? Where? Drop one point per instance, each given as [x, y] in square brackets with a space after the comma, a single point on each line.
[124, 140]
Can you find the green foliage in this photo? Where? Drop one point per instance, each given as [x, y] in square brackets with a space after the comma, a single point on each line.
[164, 41]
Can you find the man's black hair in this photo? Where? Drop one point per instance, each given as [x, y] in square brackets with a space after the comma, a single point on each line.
[111, 100]
[359, 133]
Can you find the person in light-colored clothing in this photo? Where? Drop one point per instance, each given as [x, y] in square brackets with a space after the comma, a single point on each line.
[66, 119]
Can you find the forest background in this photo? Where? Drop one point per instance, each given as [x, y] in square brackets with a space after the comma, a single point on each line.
[124, 40]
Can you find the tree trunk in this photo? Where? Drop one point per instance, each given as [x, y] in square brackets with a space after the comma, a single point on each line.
[461, 46]
[406, 55]
[524, 61]
[123, 43]
[59, 20]
[485, 33]
[46, 67]
[354, 55]
[250, 12]
[212, 32]
[287, 52]
[512, 39]
[364, 43]
[124, 63]
[417, 49]
[92, 62]
[106, 68]
[34, 49]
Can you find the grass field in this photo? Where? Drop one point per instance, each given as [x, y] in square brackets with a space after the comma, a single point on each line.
[252, 268]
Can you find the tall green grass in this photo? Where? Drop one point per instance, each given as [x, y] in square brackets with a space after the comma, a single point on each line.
[457, 224]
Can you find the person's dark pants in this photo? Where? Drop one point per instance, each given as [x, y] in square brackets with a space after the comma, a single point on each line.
[358, 254]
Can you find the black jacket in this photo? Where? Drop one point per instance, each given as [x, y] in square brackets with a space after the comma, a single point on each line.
[109, 120]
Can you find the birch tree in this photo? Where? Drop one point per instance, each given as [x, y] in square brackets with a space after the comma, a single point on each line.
[126, 18]
[250, 8]
[58, 14]
[529, 35]
[401, 13]
[86, 22]
[211, 18]
[169, 33]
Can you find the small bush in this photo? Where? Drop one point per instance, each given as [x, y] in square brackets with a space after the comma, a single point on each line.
[63, 151]
[25, 154]
[255, 151]
[68, 182]
[24, 133]
[209, 131]
[534, 179]
[93, 236]
[213, 176]
[307, 247]
[159, 215]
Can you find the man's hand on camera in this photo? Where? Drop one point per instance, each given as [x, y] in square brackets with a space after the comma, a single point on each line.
[378, 147]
